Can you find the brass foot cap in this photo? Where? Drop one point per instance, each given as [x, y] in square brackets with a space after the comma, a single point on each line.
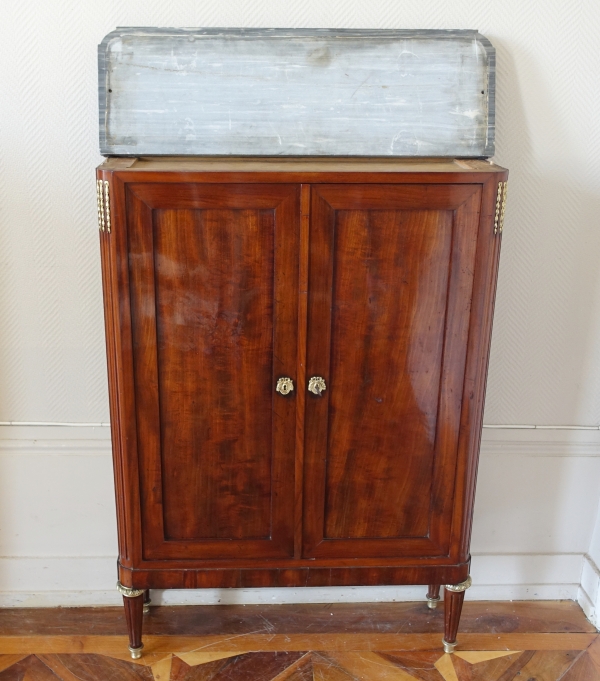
[432, 603]
[146, 607]
[136, 653]
[449, 647]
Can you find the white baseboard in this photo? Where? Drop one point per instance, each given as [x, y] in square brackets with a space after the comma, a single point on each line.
[89, 581]
[385, 594]
[545, 442]
[588, 594]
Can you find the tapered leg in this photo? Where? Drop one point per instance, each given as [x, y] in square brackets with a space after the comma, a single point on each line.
[453, 600]
[133, 600]
[147, 601]
[433, 596]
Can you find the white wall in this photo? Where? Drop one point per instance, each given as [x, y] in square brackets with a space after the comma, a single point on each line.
[538, 493]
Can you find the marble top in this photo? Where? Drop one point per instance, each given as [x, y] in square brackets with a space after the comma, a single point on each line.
[296, 92]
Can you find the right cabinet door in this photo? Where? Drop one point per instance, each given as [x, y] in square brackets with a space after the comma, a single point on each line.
[390, 287]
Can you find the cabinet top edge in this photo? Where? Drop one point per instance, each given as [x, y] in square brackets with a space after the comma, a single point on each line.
[307, 164]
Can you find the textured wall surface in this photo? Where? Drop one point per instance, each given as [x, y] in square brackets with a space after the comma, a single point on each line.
[546, 359]
[57, 524]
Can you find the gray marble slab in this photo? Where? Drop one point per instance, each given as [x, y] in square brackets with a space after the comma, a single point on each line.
[296, 92]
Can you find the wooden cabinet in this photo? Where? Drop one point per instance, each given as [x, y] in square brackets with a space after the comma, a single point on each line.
[297, 356]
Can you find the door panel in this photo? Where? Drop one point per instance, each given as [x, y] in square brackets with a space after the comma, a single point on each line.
[214, 361]
[389, 299]
[213, 277]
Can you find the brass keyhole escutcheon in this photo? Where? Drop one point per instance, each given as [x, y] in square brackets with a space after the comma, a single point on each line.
[285, 385]
[316, 385]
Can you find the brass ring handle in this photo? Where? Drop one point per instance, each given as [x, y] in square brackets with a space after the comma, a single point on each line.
[285, 385]
[316, 385]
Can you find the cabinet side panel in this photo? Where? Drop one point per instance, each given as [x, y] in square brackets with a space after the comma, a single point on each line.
[109, 328]
[120, 365]
[480, 335]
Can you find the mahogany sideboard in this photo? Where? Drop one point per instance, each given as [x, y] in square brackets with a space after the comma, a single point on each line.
[297, 358]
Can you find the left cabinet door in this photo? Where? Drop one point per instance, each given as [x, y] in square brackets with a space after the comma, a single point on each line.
[213, 294]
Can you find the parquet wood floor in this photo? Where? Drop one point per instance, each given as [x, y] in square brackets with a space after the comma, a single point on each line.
[521, 641]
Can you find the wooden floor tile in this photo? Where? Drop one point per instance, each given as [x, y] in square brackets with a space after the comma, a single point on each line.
[180, 671]
[325, 669]
[193, 659]
[54, 663]
[475, 656]
[255, 666]
[446, 668]
[420, 664]
[29, 668]
[7, 661]
[491, 670]
[548, 665]
[594, 652]
[98, 668]
[147, 659]
[301, 670]
[463, 670]
[583, 669]
[369, 665]
[525, 641]
[162, 670]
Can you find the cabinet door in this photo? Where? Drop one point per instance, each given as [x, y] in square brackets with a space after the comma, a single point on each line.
[214, 296]
[391, 278]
